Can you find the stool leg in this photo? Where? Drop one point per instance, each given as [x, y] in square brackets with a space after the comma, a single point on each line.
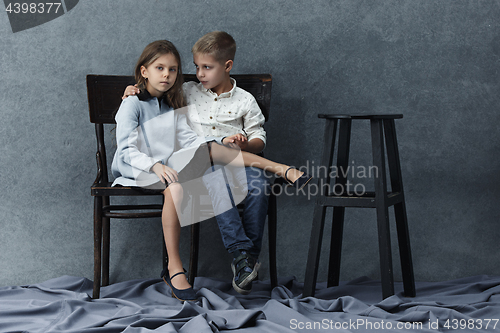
[400, 208]
[336, 246]
[404, 249]
[314, 250]
[318, 222]
[384, 236]
[338, 212]
[97, 245]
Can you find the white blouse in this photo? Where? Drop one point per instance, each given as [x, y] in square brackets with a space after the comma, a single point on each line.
[148, 132]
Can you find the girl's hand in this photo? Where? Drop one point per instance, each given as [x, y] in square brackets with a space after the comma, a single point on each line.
[236, 141]
[165, 173]
[130, 91]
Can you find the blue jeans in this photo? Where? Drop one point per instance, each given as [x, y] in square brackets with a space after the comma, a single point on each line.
[244, 234]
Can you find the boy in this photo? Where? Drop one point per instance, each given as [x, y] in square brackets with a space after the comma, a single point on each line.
[232, 116]
[231, 113]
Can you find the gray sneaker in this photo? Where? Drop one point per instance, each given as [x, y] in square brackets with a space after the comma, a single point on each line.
[245, 268]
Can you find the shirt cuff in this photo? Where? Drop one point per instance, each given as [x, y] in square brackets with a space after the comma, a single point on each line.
[263, 138]
[219, 139]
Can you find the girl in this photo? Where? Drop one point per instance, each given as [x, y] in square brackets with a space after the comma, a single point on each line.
[149, 134]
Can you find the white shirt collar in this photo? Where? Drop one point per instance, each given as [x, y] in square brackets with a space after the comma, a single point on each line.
[226, 94]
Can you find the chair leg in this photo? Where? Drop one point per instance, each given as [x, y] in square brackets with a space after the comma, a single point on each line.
[272, 235]
[164, 249]
[195, 248]
[97, 245]
[164, 252]
[400, 208]
[105, 246]
[195, 240]
[384, 236]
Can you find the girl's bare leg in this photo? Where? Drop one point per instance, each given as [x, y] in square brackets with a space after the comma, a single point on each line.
[171, 231]
[222, 154]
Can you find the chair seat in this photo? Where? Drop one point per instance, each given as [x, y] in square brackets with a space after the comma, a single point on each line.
[105, 189]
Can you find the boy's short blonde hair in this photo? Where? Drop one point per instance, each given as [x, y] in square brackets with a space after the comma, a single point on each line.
[218, 44]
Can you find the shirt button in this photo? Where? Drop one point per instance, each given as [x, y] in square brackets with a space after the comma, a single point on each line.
[215, 99]
[213, 127]
[210, 117]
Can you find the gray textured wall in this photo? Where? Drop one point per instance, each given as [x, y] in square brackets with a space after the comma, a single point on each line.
[435, 61]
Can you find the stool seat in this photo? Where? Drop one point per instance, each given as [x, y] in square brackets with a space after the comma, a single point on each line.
[360, 116]
[382, 127]
[366, 200]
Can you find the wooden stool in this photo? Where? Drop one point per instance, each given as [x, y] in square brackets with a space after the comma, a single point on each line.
[380, 200]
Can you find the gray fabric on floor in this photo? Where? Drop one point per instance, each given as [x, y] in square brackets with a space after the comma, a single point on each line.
[63, 305]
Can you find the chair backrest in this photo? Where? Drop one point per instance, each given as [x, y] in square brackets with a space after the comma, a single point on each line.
[105, 92]
[105, 95]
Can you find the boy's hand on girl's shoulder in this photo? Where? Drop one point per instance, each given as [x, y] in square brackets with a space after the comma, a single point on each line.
[130, 91]
[237, 141]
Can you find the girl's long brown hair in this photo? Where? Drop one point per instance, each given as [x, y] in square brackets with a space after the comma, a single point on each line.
[153, 51]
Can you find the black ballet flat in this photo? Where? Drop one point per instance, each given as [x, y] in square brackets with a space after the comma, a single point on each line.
[301, 182]
[181, 294]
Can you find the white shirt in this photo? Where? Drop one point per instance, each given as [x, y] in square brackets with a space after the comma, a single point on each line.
[229, 113]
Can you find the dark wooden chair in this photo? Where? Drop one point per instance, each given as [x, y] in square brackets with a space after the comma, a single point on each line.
[104, 97]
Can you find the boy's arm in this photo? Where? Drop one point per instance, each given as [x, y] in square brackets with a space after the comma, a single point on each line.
[253, 121]
[130, 91]
[255, 146]
[240, 141]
